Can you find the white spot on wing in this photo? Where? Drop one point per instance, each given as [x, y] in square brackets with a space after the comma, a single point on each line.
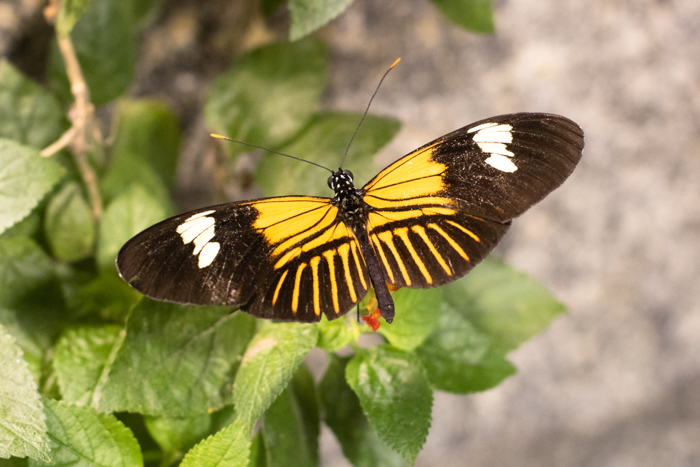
[492, 138]
[208, 253]
[501, 163]
[481, 127]
[496, 148]
[200, 229]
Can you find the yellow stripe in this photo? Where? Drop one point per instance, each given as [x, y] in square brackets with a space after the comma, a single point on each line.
[421, 233]
[416, 165]
[403, 235]
[468, 232]
[359, 266]
[297, 281]
[383, 258]
[329, 255]
[454, 244]
[379, 218]
[279, 286]
[389, 202]
[388, 238]
[317, 294]
[307, 224]
[344, 249]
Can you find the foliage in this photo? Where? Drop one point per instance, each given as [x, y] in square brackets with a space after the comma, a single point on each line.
[94, 374]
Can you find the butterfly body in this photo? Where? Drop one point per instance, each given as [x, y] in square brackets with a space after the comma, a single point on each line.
[424, 221]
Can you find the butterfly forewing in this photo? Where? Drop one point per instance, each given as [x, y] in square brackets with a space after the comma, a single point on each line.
[438, 211]
[286, 258]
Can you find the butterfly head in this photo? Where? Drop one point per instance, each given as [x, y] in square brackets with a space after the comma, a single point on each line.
[341, 181]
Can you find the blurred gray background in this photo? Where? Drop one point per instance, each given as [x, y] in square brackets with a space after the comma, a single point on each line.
[616, 381]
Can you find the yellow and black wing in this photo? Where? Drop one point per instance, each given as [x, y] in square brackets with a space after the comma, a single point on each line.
[435, 213]
[287, 258]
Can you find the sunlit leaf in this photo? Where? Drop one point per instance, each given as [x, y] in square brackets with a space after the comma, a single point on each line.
[309, 15]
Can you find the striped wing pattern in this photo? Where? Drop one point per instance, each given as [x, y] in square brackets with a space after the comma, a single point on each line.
[286, 258]
[438, 211]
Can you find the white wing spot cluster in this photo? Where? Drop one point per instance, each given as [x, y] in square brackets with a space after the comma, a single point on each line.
[492, 139]
[200, 230]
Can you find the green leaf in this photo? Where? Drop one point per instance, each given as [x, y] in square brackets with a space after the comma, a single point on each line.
[24, 269]
[130, 170]
[324, 141]
[345, 418]
[229, 447]
[309, 15]
[22, 427]
[505, 304]
[459, 358]
[269, 362]
[27, 227]
[69, 226]
[334, 335]
[28, 114]
[32, 349]
[105, 41]
[269, 94]
[149, 130]
[258, 455]
[82, 437]
[68, 14]
[130, 213]
[472, 15]
[285, 437]
[394, 395]
[417, 315]
[176, 436]
[107, 296]
[82, 360]
[303, 388]
[176, 361]
[25, 178]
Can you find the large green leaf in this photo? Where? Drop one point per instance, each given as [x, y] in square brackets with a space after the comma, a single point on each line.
[149, 130]
[324, 142]
[345, 418]
[334, 335]
[309, 15]
[395, 396]
[459, 358]
[176, 361]
[269, 94]
[107, 296]
[28, 114]
[506, 305]
[22, 427]
[81, 437]
[229, 447]
[417, 314]
[82, 360]
[130, 213]
[269, 362]
[104, 39]
[25, 178]
[69, 225]
[472, 15]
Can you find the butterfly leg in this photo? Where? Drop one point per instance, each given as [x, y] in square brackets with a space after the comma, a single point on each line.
[381, 291]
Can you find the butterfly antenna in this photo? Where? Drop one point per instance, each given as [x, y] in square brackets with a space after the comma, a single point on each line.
[214, 135]
[367, 110]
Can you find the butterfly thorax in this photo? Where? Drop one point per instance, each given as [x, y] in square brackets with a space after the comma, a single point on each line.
[347, 198]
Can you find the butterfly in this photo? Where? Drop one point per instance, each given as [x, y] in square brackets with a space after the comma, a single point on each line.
[424, 221]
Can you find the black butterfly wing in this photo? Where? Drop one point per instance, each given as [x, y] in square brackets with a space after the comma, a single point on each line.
[437, 212]
[286, 258]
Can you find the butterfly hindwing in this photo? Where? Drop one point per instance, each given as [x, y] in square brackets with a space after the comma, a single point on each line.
[271, 256]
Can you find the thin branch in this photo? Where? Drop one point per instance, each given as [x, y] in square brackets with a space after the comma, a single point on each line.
[82, 115]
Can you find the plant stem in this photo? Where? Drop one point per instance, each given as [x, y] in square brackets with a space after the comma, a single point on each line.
[82, 115]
